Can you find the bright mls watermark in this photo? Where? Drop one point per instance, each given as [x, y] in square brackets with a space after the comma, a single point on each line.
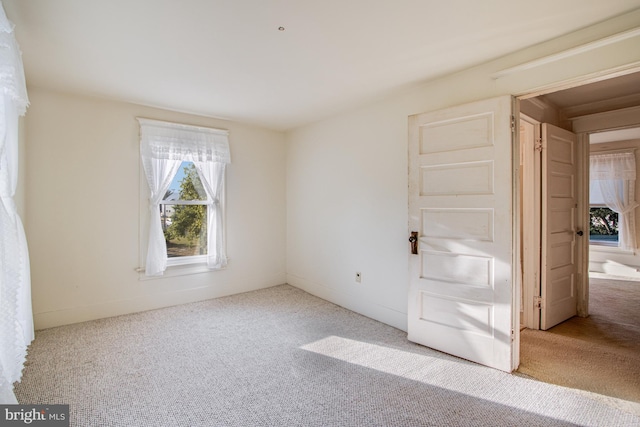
[34, 415]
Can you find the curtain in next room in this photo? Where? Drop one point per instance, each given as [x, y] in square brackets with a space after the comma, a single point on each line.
[613, 176]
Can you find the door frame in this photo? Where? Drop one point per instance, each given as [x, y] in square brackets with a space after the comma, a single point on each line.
[531, 231]
[531, 215]
[582, 249]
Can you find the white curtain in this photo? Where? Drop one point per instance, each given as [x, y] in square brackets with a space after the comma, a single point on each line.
[159, 173]
[615, 176]
[211, 174]
[163, 147]
[16, 318]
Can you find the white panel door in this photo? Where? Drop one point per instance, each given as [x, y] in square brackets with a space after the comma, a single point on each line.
[559, 202]
[460, 205]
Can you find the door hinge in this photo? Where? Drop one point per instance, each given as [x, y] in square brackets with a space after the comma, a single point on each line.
[513, 123]
[513, 335]
[538, 145]
[537, 302]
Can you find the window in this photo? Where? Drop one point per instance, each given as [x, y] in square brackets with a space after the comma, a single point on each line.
[184, 168]
[183, 213]
[612, 199]
[603, 226]
[603, 221]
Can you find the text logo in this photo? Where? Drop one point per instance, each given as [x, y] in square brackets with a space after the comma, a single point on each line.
[34, 415]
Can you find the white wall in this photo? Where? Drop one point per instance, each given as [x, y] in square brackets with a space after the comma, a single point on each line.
[347, 175]
[83, 205]
[614, 261]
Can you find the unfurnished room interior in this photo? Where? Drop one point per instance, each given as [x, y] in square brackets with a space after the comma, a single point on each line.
[264, 213]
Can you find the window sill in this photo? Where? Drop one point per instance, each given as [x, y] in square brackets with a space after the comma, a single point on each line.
[609, 244]
[186, 260]
[603, 247]
[176, 269]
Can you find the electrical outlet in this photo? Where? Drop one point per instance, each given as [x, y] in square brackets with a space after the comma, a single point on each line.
[358, 277]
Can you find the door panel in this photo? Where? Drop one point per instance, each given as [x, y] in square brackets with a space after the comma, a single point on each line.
[460, 202]
[559, 204]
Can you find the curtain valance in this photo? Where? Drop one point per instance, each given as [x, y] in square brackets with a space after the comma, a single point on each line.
[173, 141]
[612, 166]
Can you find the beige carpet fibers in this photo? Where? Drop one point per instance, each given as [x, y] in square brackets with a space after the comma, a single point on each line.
[281, 357]
[600, 353]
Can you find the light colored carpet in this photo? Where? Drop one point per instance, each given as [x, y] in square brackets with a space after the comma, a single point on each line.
[600, 353]
[281, 357]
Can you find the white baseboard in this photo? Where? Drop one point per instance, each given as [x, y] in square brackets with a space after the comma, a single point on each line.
[352, 302]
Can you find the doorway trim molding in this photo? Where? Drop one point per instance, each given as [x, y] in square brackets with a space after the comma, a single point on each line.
[545, 60]
[582, 80]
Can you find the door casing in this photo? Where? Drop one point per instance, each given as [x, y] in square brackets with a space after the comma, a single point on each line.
[582, 248]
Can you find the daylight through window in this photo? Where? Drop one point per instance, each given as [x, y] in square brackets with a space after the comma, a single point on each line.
[184, 213]
[603, 226]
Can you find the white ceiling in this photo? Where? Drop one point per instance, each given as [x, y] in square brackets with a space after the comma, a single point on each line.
[227, 58]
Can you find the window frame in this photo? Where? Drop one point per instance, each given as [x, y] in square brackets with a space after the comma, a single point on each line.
[200, 259]
[628, 191]
[185, 265]
[192, 259]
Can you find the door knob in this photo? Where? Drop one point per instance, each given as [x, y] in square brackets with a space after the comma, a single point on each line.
[580, 232]
[413, 238]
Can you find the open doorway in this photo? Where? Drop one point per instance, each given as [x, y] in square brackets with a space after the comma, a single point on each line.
[599, 349]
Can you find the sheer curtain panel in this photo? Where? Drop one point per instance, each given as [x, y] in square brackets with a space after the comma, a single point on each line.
[615, 175]
[163, 147]
[159, 173]
[16, 318]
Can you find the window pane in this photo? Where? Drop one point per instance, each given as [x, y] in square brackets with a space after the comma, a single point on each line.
[185, 229]
[603, 225]
[186, 185]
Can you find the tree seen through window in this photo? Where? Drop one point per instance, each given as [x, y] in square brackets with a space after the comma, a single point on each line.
[184, 217]
[603, 227]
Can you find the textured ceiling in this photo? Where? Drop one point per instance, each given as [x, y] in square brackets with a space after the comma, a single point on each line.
[229, 59]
